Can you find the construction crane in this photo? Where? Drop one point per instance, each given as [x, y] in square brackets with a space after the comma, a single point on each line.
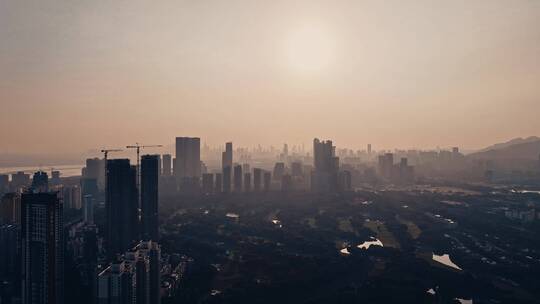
[106, 153]
[139, 147]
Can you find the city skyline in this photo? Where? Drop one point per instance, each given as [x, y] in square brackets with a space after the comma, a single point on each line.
[287, 151]
[394, 75]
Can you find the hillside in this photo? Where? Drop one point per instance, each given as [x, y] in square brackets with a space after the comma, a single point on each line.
[520, 150]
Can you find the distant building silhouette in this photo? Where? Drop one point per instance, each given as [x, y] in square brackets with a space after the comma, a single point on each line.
[267, 180]
[227, 156]
[55, 177]
[386, 163]
[89, 186]
[71, 196]
[19, 180]
[227, 175]
[296, 169]
[40, 182]
[187, 166]
[219, 183]
[257, 179]
[326, 167]
[208, 183]
[247, 182]
[166, 165]
[238, 178]
[88, 209]
[279, 171]
[345, 183]
[286, 182]
[95, 169]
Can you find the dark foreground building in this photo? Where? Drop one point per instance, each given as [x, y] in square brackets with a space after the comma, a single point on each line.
[133, 278]
[42, 249]
[121, 207]
[149, 197]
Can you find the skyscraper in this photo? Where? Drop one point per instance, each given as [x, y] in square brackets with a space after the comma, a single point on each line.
[188, 162]
[10, 208]
[40, 182]
[4, 183]
[257, 179]
[286, 182]
[149, 197]
[296, 169]
[134, 278]
[208, 183]
[279, 171]
[247, 182]
[166, 165]
[42, 249]
[238, 178]
[227, 175]
[188, 157]
[152, 252]
[267, 181]
[227, 156]
[10, 253]
[19, 180]
[117, 284]
[345, 181]
[325, 174]
[386, 164]
[89, 186]
[71, 196]
[88, 209]
[121, 207]
[219, 183]
[55, 177]
[95, 169]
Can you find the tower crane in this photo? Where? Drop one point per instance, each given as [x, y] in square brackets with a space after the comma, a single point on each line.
[105, 155]
[139, 147]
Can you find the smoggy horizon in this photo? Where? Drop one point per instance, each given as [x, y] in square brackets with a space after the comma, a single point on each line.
[78, 76]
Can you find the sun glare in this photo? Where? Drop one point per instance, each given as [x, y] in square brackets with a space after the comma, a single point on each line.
[310, 49]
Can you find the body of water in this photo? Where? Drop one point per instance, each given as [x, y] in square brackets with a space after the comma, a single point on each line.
[445, 259]
[526, 191]
[65, 170]
[367, 244]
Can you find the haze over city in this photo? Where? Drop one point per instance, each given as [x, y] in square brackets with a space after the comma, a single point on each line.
[263, 152]
[77, 76]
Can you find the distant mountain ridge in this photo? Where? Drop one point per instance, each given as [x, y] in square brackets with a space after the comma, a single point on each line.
[518, 148]
[515, 141]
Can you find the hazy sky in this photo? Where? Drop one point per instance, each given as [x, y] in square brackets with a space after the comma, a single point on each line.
[77, 75]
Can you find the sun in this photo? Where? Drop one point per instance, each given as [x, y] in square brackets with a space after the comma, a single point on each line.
[310, 49]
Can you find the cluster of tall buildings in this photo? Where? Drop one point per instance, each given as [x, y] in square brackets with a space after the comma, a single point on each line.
[132, 278]
[33, 232]
[31, 212]
[401, 172]
[236, 177]
[31, 242]
[124, 224]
